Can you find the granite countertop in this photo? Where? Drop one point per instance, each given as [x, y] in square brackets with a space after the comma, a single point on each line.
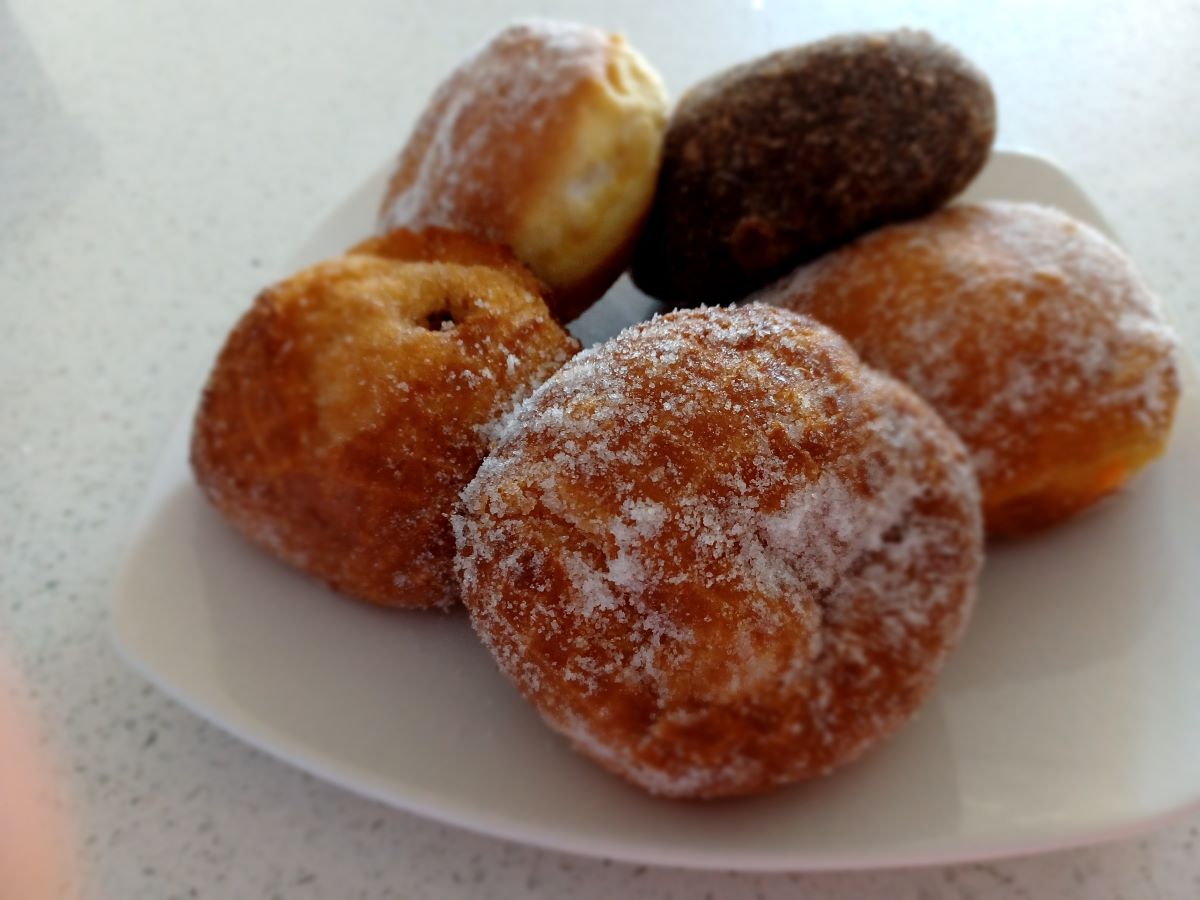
[159, 162]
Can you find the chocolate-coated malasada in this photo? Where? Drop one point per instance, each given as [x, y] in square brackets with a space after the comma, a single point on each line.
[773, 162]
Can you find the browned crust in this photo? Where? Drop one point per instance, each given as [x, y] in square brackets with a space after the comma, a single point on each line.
[756, 680]
[1075, 326]
[479, 201]
[490, 192]
[354, 486]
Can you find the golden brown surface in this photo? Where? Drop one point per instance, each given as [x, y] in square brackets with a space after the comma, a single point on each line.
[1029, 332]
[548, 140]
[720, 555]
[350, 405]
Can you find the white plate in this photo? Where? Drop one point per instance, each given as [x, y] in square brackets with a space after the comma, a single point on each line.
[1071, 713]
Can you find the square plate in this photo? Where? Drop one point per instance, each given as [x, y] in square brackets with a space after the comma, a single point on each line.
[1070, 714]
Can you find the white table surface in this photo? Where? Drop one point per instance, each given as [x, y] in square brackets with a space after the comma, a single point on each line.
[159, 161]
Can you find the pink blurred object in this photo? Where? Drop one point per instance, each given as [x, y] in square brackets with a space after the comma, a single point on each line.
[36, 855]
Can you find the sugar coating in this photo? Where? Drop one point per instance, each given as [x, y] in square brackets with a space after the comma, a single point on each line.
[775, 161]
[548, 140]
[505, 96]
[718, 553]
[1029, 332]
[355, 399]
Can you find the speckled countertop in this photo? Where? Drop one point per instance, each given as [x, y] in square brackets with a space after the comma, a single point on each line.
[158, 162]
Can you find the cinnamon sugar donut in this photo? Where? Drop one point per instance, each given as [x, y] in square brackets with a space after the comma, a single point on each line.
[1029, 332]
[719, 554]
[547, 139]
[773, 162]
[350, 405]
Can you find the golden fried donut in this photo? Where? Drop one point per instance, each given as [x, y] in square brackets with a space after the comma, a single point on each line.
[1029, 332]
[548, 140]
[351, 404]
[773, 162]
[719, 554]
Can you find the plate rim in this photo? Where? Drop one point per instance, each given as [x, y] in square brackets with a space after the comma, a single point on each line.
[494, 826]
[415, 799]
